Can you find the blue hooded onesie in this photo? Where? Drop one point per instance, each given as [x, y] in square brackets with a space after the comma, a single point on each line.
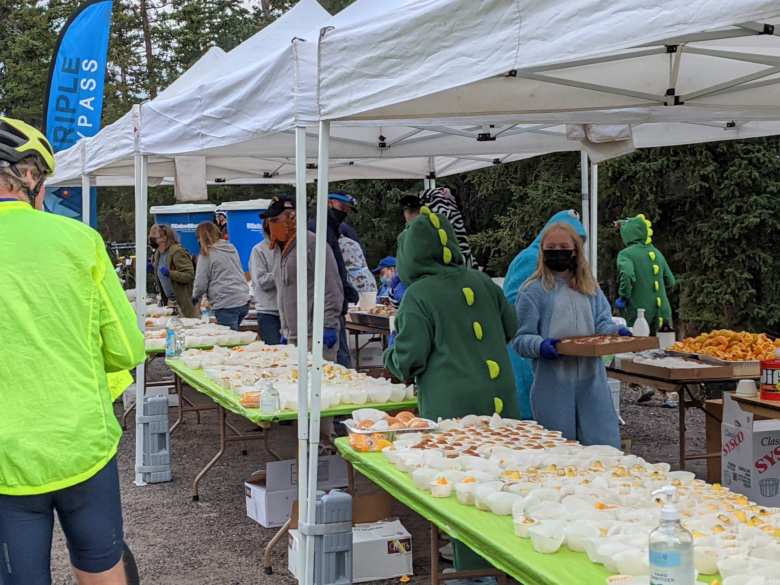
[569, 394]
[520, 270]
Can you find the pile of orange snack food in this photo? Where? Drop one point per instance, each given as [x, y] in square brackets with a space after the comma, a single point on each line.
[374, 442]
[734, 346]
[402, 421]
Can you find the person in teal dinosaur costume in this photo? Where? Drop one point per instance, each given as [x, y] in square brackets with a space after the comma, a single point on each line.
[452, 328]
[643, 275]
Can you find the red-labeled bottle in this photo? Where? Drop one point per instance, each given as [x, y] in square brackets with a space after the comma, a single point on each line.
[770, 378]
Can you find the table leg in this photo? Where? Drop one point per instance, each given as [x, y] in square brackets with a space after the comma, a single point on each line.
[180, 393]
[126, 414]
[210, 464]
[267, 564]
[357, 351]
[434, 554]
[190, 403]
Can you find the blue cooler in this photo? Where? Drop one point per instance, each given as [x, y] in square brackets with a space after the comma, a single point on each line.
[184, 219]
[245, 228]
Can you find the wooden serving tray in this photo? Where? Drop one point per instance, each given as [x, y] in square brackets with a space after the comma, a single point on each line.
[712, 372]
[601, 345]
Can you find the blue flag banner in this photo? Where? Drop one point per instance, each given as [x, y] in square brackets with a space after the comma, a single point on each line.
[74, 101]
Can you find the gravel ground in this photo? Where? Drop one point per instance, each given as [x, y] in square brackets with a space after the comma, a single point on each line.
[212, 542]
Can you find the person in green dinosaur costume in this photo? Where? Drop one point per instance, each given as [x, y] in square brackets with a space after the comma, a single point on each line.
[452, 328]
[643, 275]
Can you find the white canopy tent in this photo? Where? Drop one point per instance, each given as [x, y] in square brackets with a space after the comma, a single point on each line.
[500, 63]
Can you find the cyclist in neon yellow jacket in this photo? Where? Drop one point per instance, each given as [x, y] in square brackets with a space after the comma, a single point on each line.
[66, 326]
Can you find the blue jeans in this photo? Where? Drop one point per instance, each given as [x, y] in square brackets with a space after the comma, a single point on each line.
[268, 327]
[231, 317]
[343, 356]
[90, 514]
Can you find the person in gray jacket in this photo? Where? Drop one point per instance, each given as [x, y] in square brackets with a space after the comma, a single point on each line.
[263, 262]
[281, 225]
[220, 277]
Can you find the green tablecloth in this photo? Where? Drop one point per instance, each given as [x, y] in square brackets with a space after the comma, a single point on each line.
[229, 399]
[489, 535]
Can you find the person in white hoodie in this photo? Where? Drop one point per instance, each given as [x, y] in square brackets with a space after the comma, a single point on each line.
[220, 277]
[263, 262]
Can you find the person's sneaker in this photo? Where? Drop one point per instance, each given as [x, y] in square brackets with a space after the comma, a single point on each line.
[669, 403]
[447, 552]
[647, 394]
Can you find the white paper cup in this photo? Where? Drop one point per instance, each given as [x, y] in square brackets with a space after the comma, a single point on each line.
[366, 300]
[747, 388]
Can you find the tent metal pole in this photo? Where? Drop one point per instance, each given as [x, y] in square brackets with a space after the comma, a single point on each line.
[317, 330]
[594, 219]
[585, 193]
[85, 198]
[302, 291]
[141, 197]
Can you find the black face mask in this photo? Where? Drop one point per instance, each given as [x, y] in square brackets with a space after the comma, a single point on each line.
[337, 215]
[559, 260]
[153, 243]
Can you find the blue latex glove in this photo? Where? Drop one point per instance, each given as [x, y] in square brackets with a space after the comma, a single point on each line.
[620, 304]
[391, 339]
[547, 350]
[625, 332]
[149, 267]
[165, 272]
[330, 337]
[282, 340]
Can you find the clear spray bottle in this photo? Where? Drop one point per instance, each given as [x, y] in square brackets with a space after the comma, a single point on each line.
[671, 546]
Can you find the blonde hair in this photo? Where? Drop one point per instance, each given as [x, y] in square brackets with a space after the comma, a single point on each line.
[581, 279]
[208, 235]
[12, 181]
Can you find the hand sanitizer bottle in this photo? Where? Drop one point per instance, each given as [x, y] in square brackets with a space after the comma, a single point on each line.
[641, 327]
[671, 546]
[269, 402]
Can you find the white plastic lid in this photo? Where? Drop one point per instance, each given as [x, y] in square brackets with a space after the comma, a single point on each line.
[251, 205]
[183, 208]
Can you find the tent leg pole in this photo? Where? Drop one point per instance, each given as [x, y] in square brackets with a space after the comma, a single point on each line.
[585, 194]
[86, 200]
[317, 330]
[141, 198]
[594, 219]
[302, 289]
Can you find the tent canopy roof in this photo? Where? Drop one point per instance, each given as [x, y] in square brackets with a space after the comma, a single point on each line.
[555, 61]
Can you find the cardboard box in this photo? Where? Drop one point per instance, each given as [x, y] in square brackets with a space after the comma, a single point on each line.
[269, 502]
[380, 550]
[750, 462]
[711, 372]
[573, 346]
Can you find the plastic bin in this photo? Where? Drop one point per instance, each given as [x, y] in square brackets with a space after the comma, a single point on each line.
[156, 467]
[245, 228]
[184, 219]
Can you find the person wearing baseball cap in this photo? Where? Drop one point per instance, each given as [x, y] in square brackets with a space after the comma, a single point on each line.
[391, 289]
[281, 226]
[410, 204]
[340, 204]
